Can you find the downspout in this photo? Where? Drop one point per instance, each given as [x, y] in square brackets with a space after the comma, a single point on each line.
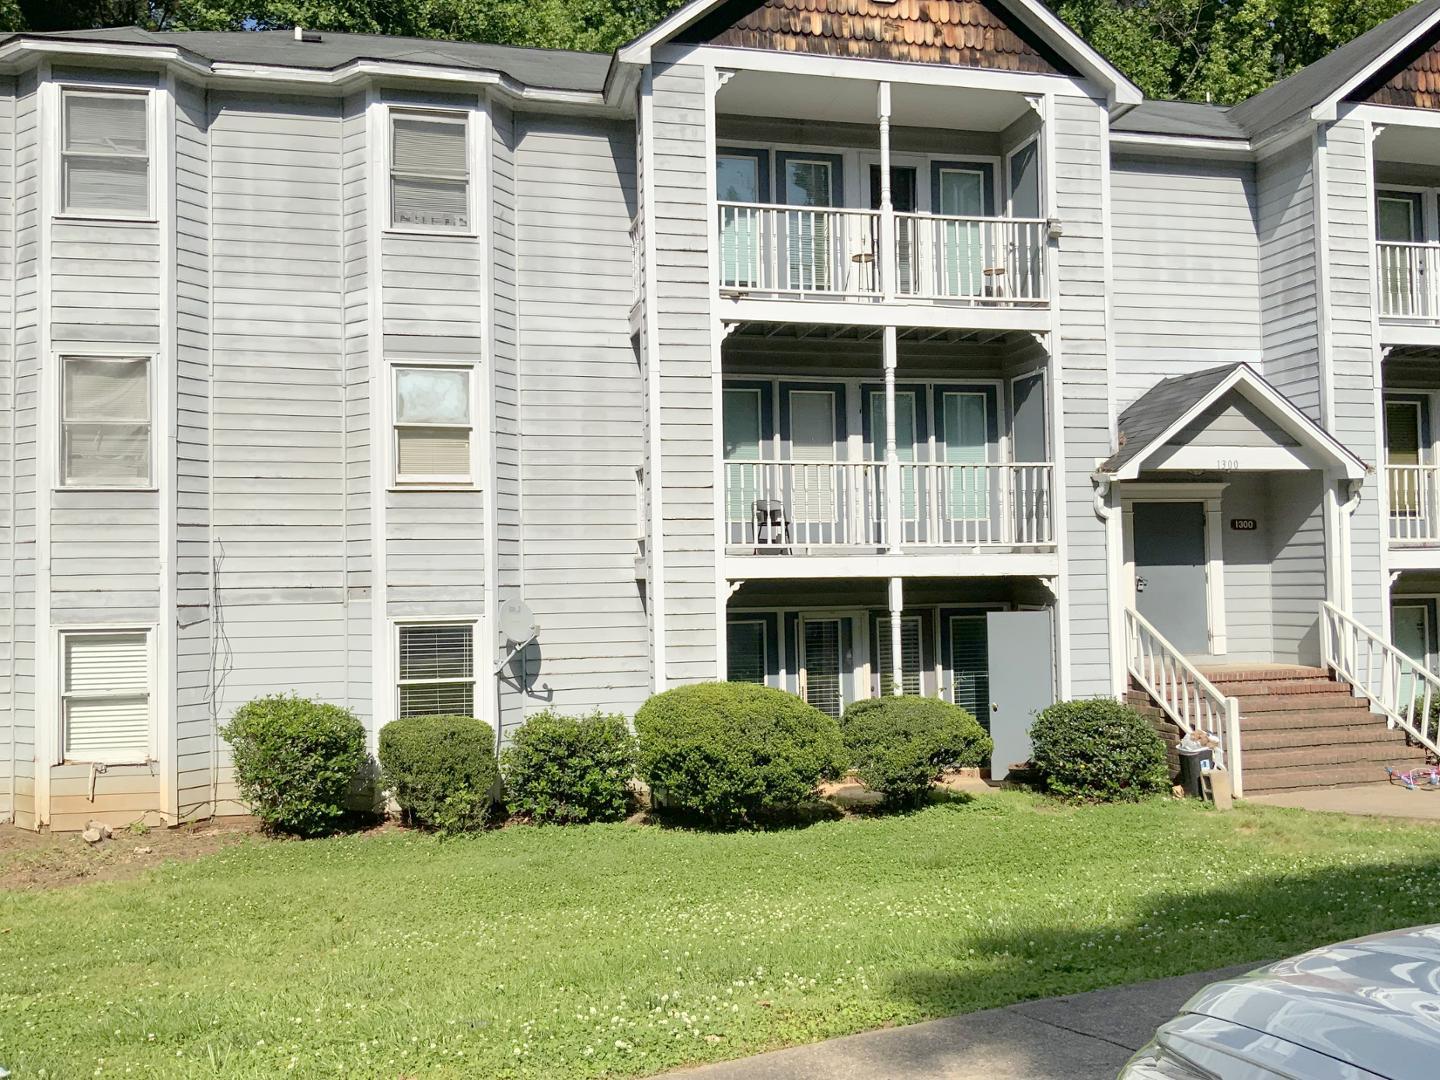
[1119, 663]
[14, 415]
[1347, 512]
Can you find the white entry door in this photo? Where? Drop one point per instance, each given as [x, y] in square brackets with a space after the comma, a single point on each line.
[813, 436]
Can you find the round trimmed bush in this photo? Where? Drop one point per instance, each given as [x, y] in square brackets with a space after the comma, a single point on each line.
[297, 762]
[899, 745]
[731, 752]
[441, 770]
[1098, 749]
[570, 769]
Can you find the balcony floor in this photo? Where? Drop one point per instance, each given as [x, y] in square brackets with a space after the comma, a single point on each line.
[741, 564]
[999, 316]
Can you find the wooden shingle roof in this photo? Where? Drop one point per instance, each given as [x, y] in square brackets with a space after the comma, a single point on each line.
[967, 33]
[1417, 85]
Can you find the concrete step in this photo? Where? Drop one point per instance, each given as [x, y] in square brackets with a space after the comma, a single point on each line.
[1297, 737]
[1301, 719]
[1250, 705]
[1290, 779]
[1382, 753]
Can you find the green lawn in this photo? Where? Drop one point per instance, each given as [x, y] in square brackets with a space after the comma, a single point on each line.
[622, 951]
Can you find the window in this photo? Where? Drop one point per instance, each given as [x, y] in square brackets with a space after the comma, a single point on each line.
[105, 697]
[105, 153]
[746, 650]
[437, 670]
[433, 425]
[429, 172]
[105, 421]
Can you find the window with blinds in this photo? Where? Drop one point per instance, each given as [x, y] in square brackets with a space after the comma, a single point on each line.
[434, 425]
[105, 697]
[105, 153]
[745, 651]
[909, 656]
[105, 422]
[429, 172]
[436, 666]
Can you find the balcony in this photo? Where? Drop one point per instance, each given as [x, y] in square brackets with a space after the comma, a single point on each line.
[829, 255]
[1409, 280]
[791, 512]
[1414, 495]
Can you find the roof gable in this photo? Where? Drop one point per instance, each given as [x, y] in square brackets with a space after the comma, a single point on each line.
[971, 33]
[1412, 81]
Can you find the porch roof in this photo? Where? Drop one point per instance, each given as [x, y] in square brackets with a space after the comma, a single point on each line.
[1160, 417]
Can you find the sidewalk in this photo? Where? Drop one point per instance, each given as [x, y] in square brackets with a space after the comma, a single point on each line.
[1082, 1037]
[1368, 800]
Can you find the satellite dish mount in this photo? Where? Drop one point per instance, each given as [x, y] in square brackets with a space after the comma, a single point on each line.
[518, 627]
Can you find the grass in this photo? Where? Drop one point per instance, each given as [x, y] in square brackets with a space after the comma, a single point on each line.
[623, 951]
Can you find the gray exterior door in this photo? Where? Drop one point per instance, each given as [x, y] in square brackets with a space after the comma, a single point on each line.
[1170, 572]
[1020, 648]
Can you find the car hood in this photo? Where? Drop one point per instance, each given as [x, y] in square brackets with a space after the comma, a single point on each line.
[1373, 1002]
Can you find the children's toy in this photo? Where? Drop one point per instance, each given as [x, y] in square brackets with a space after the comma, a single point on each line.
[1427, 776]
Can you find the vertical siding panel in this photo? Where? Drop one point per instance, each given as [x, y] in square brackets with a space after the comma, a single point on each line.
[580, 399]
[26, 378]
[8, 718]
[1288, 282]
[360, 442]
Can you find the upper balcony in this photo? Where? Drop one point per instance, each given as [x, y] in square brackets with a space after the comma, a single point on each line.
[810, 228]
[1407, 235]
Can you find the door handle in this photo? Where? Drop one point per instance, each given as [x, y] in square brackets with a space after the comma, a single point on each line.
[994, 707]
[1141, 584]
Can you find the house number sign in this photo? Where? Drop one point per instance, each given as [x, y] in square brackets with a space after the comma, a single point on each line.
[1243, 524]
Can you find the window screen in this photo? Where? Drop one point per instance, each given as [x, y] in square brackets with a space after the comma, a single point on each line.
[105, 153]
[105, 699]
[429, 173]
[105, 422]
[437, 670]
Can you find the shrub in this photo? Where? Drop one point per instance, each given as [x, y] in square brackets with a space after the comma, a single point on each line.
[730, 752]
[898, 745]
[1098, 749]
[297, 762]
[440, 769]
[568, 769]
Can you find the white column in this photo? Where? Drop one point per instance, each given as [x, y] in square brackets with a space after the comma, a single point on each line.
[893, 498]
[885, 256]
[897, 605]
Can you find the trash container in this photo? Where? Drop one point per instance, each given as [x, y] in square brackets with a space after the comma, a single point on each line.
[1194, 760]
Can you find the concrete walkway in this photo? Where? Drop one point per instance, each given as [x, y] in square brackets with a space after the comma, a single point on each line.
[1373, 800]
[1082, 1037]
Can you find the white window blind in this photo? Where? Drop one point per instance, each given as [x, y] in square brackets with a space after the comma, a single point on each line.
[105, 421]
[105, 153]
[429, 173]
[909, 656]
[106, 697]
[437, 670]
[433, 425]
[746, 646]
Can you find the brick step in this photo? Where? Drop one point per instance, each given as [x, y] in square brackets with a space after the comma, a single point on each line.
[1239, 673]
[1286, 687]
[1300, 702]
[1297, 737]
[1300, 719]
[1258, 781]
[1382, 753]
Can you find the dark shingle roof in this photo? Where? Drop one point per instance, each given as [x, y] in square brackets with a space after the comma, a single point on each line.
[550, 68]
[1148, 417]
[1311, 85]
[1194, 119]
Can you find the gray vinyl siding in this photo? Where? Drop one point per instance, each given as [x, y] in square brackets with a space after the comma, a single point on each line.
[195, 713]
[1288, 282]
[1249, 618]
[505, 381]
[7, 416]
[1233, 421]
[1187, 270]
[1079, 173]
[1356, 396]
[26, 380]
[581, 398]
[1297, 572]
[680, 343]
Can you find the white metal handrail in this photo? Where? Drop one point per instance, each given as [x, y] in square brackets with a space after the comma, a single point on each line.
[1400, 687]
[799, 251]
[1413, 494]
[1186, 696]
[975, 259]
[1409, 279]
[785, 505]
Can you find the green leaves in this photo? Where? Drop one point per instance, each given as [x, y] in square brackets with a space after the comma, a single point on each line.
[569, 769]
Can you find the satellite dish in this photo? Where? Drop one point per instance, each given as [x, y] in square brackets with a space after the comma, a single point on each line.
[516, 622]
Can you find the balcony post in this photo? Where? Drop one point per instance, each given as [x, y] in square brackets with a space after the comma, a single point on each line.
[885, 257]
[897, 665]
[892, 487]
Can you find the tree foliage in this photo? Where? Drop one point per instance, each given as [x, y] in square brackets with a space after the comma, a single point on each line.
[1222, 50]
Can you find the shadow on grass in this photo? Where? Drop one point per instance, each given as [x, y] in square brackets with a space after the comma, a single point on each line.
[830, 808]
[1249, 924]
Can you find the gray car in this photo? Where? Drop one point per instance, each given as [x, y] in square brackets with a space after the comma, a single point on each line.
[1360, 1009]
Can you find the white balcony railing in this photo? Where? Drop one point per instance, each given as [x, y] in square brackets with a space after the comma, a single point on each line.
[784, 506]
[1413, 492]
[825, 253]
[1409, 280]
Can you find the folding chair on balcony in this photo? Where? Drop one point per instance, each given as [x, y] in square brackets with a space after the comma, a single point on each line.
[772, 528]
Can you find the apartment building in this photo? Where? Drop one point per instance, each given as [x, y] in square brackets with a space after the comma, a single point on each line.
[841, 345]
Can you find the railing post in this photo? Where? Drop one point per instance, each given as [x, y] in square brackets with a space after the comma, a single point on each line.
[893, 496]
[1232, 747]
[886, 257]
